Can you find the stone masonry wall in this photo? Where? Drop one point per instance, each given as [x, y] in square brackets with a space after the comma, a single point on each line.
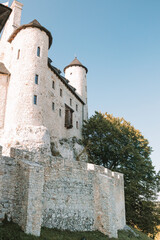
[68, 196]
[21, 187]
[3, 95]
[8, 176]
[60, 193]
[79, 196]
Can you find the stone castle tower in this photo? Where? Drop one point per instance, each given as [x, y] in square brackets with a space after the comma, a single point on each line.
[34, 93]
[45, 179]
[76, 71]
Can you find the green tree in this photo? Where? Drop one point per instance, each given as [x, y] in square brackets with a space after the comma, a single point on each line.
[114, 143]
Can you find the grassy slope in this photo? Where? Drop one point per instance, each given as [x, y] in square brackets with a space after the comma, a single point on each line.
[11, 231]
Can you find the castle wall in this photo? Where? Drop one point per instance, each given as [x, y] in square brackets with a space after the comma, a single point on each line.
[27, 211]
[82, 197]
[3, 96]
[60, 193]
[8, 181]
[20, 197]
[37, 188]
[68, 196]
[120, 202]
[52, 120]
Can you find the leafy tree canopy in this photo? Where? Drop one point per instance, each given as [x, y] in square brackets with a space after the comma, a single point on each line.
[114, 143]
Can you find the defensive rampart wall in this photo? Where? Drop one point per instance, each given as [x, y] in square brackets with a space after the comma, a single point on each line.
[60, 193]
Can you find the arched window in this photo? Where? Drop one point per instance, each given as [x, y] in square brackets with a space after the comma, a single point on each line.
[38, 51]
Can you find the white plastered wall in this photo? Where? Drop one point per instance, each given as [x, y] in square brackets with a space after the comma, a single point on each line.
[77, 77]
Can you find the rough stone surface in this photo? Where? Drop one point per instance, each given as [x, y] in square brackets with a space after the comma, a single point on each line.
[60, 193]
[71, 149]
[32, 138]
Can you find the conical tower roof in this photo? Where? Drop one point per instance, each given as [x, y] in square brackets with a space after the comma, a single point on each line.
[33, 24]
[76, 62]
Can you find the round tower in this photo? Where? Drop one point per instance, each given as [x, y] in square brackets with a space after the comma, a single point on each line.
[25, 98]
[76, 73]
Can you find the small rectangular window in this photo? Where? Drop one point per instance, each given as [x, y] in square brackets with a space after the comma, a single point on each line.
[36, 79]
[53, 106]
[68, 117]
[38, 51]
[77, 107]
[77, 124]
[70, 102]
[18, 54]
[35, 99]
[60, 112]
[53, 85]
[60, 92]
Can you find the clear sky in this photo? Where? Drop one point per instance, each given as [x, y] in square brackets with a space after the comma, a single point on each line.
[119, 42]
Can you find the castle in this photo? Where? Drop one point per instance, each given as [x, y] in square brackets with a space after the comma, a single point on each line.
[41, 117]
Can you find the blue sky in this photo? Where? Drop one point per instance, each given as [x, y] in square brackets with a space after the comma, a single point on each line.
[119, 42]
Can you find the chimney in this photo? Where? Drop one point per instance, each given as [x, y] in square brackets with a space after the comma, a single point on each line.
[14, 20]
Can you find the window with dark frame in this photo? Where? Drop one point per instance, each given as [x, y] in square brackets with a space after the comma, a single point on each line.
[35, 99]
[70, 102]
[60, 92]
[36, 79]
[68, 117]
[38, 51]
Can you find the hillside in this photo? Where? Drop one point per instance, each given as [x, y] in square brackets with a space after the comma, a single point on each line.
[11, 231]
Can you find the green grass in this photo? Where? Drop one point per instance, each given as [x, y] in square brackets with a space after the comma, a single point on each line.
[11, 231]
